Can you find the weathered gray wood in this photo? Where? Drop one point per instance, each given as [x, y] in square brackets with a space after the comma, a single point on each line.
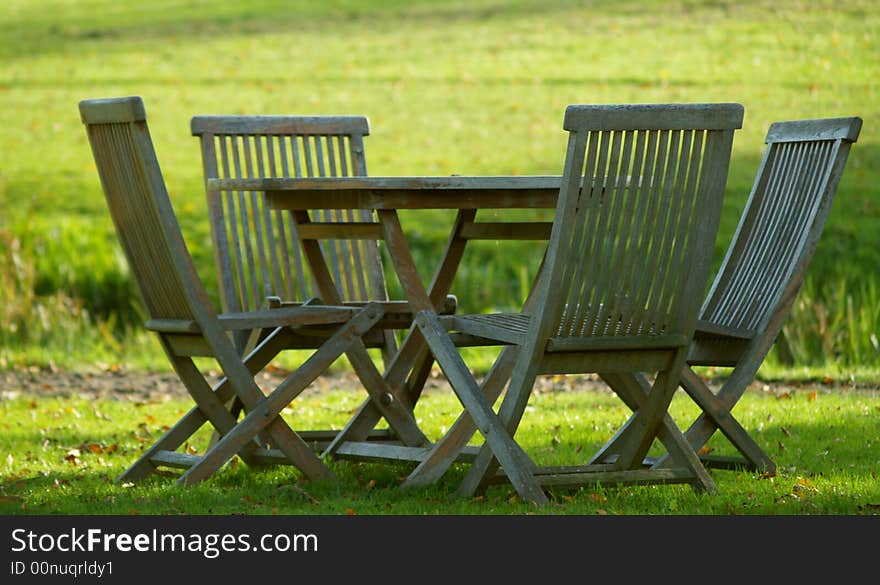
[646, 117]
[507, 231]
[615, 477]
[265, 412]
[374, 450]
[174, 459]
[486, 184]
[257, 249]
[448, 450]
[763, 270]
[632, 390]
[172, 325]
[509, 453]
[846, 129]
[112, 111]
[667, 219]
[328, 252]
[454, 192]
[600, 307]
[770, 252]
[340, 230]
[281, 125]
[180, 313]
[413, 359]
[301, 316]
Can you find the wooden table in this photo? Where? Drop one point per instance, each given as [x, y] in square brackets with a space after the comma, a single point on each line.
[438, 192]
[387, 195]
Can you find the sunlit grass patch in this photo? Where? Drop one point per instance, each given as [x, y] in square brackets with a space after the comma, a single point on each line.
[61, 456]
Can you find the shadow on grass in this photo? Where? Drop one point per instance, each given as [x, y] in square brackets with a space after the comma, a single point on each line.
[44, 35]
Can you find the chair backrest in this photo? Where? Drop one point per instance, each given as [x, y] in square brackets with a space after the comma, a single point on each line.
[142, 214]
[636, 219]
[780, 227]
[257, 249]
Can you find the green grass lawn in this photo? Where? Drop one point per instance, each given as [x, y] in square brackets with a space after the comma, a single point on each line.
[61, 456]
[467, 87]
[474, 87]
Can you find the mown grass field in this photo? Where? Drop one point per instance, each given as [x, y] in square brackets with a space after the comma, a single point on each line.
[468, 87]
[474, 87]
[62, 456]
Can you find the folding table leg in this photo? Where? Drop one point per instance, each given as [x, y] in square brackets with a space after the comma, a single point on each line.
[390, 403]
[445, 451]
[516, 463]
[411, 365]
[369, 414]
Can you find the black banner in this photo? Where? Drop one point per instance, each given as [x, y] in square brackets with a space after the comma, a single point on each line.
[248, 549]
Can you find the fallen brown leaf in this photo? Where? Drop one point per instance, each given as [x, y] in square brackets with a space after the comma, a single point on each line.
[599, 498]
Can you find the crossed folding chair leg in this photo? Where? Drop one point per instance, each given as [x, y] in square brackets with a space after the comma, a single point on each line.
[500, 449]
[632, 391]
[243, 437]
[715, 416]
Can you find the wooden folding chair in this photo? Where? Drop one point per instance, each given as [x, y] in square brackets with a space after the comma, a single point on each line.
[181, 314]
[627, 261]
[762, 272]
[257, 250]
[270, 256]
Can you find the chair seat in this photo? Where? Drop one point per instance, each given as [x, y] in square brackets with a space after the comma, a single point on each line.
[709, 329]
[513, 327]
[506, 327]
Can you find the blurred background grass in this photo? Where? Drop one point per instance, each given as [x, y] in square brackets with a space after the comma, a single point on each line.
[467, 87]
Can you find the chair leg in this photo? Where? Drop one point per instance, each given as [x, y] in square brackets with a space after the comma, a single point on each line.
[264, 411]
[716, 415]
[643, 428]
[517, 465]
[633, 389]
[210, 407]
[389, 401]
[444, 452]
[368, 414]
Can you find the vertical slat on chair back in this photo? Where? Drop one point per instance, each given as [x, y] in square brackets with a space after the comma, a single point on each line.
[139, 205]
[257, 248]
[783, 220]
[638, 210]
